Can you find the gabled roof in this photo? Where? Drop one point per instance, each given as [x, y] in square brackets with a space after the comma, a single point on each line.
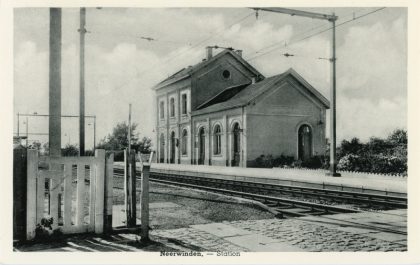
[224, 95]
[187, 72]
[252, 91]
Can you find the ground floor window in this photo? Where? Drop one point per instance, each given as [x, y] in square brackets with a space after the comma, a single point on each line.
[184, 141]
[217, 140]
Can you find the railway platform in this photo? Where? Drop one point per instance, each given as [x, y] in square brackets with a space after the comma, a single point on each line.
[294, 177]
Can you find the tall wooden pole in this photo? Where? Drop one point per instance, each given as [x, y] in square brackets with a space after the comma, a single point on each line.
[144, 201]
[82, 32]
[129, 129]
[94, 133]
[27, 132]
[333, 130]
[55, 83]
[18, 124]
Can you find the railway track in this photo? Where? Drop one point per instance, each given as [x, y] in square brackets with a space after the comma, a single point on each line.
[285, 207]
[297, 201]
[363, 199]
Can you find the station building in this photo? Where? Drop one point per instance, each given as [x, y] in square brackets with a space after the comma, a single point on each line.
[222, 111]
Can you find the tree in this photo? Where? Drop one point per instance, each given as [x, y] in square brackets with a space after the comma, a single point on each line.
[144, 146]
[398, 137]
[118, 139]
[353, 147]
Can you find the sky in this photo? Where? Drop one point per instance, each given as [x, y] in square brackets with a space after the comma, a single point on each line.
[122, 67]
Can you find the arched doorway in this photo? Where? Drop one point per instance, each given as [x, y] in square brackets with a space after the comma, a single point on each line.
[236, 145]
[201, 146]
[304, 142]
[162, 148]
[172, 157]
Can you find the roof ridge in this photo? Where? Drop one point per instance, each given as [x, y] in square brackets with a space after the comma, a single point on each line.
[201, 64]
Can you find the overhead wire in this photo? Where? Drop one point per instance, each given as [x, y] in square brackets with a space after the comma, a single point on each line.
[318, 33]
[218, 32]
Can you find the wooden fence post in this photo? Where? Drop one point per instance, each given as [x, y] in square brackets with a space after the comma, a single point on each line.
[99, 191]
[132, 188]
[144, 233]
[31, 202]
[109, 193]
[126, 191]
[19, 192]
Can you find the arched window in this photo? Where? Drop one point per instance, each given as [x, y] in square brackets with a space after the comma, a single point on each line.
[184, 104]
[217, 140]
[184, 142]
[172, 104]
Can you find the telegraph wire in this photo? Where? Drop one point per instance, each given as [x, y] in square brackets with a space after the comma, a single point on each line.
[317, 33]
[139, 37]
[284, 41]
[218, 32]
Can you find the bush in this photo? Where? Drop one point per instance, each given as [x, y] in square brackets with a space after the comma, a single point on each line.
[70, 150]
[267, 161]
[264, 161]
[45, 233]
[350, 162]
[283, 161]
[313, 162]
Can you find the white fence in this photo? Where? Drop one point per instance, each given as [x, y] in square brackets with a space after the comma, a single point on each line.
[76, 202]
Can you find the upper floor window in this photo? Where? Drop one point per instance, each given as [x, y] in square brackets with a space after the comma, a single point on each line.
[172, 107]
[184, 142]
[217, 140]
[162, 109]
[184, 104]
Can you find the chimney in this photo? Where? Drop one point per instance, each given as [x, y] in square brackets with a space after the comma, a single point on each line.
[209, 52]
[239, 52]
[253, 80]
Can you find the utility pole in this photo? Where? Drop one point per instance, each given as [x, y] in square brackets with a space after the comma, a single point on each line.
[331, 18]
[27, 132]
[94, 133]
[129, 129]
[18, 124]
[333, 112]
[55, 83]
[82, 31]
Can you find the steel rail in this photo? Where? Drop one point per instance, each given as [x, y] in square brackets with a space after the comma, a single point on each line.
[282, 207]
[367, 198]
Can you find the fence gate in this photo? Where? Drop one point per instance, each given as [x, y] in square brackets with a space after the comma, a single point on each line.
[71, 190]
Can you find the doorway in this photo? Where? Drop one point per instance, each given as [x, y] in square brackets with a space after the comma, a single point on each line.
[304, 142]
[201, 146]
[236, 145]
[162, 149]
[172, 157]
